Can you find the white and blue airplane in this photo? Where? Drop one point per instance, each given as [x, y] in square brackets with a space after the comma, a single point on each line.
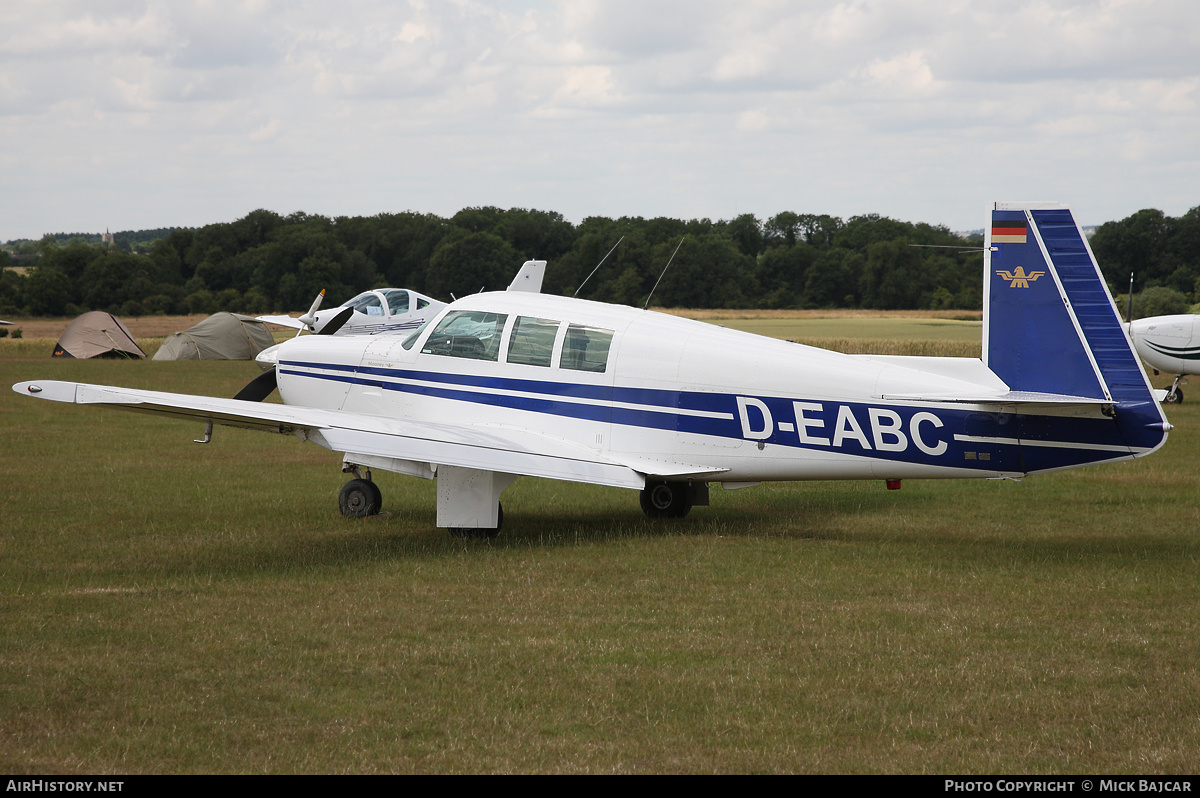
[518, 383]
[1170, 344]
[377, 312]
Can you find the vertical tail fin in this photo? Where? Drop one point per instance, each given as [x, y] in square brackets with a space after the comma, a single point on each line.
[1050, 325]
[530, 277]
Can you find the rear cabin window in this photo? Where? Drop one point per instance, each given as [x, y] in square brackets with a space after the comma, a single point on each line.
[397, 302]
[532, 341]
[473, 334]
[585, 348]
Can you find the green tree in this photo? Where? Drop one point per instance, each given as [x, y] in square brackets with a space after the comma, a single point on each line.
[1159, 301]
[1136, 245]
[783, 274]
[833, 279]
[708, 272]
[747, 234]
[47, 291]
[12, 292]
[465, 263]
[399, 245]
[891, 278]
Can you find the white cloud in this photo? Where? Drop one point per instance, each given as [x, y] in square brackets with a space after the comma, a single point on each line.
[753, 121]
[902, 76]
[205, 110]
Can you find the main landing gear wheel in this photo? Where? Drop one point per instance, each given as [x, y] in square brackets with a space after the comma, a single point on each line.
[480, 533]
[666, 499]
[1175, 397]
[360, 498]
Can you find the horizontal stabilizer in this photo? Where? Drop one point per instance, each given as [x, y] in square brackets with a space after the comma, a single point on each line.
[1005, 398]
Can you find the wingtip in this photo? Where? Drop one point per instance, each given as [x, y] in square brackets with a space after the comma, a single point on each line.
[54, 390]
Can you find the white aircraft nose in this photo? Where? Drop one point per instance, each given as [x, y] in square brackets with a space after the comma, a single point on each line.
[269, 356]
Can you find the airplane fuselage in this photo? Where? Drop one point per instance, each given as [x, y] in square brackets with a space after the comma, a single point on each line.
[1170, 344]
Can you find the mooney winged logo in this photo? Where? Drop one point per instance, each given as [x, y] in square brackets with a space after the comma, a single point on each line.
[1019, 279]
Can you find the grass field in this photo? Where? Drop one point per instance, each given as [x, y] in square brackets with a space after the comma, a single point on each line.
[171, 607]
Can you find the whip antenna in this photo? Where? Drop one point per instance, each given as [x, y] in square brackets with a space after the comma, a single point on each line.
[598, 265]
[664, 271]
[1129, 304]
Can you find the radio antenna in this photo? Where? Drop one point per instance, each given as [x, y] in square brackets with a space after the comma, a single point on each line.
[664, 271]
[598, 265]
[1129, 305]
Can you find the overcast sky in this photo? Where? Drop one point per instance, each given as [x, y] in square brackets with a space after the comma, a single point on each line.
[127, 114]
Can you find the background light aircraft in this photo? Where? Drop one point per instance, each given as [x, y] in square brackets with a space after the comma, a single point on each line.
[505, 384]
[1170, 344]
[383, 310]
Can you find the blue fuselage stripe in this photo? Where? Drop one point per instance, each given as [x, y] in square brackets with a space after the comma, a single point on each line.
[972, 439]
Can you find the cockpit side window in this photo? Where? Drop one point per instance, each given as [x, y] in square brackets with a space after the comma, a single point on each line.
[397, 302]
[532, 341]
[472, 334]
[585, 348]
[422, 303]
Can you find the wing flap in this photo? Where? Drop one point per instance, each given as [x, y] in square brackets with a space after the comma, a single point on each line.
[501, 455]
[670, 469]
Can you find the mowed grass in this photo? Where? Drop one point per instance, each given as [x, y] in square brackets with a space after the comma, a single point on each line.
[176, 607]
[883, 328]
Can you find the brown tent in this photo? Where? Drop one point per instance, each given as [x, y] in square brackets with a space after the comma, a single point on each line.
[97, 334]
[222, 336]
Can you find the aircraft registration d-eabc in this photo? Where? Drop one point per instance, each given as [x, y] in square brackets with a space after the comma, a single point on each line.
[519, 383]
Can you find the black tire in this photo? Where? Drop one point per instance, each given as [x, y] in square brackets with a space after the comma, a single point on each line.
[666, 499]
[480, 533]
[1175, 398]
[378, 497]
[360, 498]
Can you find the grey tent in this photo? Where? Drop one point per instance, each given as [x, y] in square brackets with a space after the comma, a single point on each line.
[97, 334]
[222, 336]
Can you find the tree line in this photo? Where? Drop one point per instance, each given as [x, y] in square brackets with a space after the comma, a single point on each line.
[268, 262]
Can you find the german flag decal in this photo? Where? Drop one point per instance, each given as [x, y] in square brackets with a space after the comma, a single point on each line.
[1009, 231]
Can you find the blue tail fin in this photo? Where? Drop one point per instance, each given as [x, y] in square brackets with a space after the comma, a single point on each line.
[1050, 325]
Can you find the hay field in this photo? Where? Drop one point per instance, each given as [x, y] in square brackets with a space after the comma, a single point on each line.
[170, 607]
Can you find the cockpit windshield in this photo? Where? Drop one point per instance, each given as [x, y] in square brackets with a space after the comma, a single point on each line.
[367, 303]
[473, 334]
[412, 339]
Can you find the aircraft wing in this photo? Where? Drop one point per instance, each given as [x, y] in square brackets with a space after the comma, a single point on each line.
[488, 448]
[283, 321]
